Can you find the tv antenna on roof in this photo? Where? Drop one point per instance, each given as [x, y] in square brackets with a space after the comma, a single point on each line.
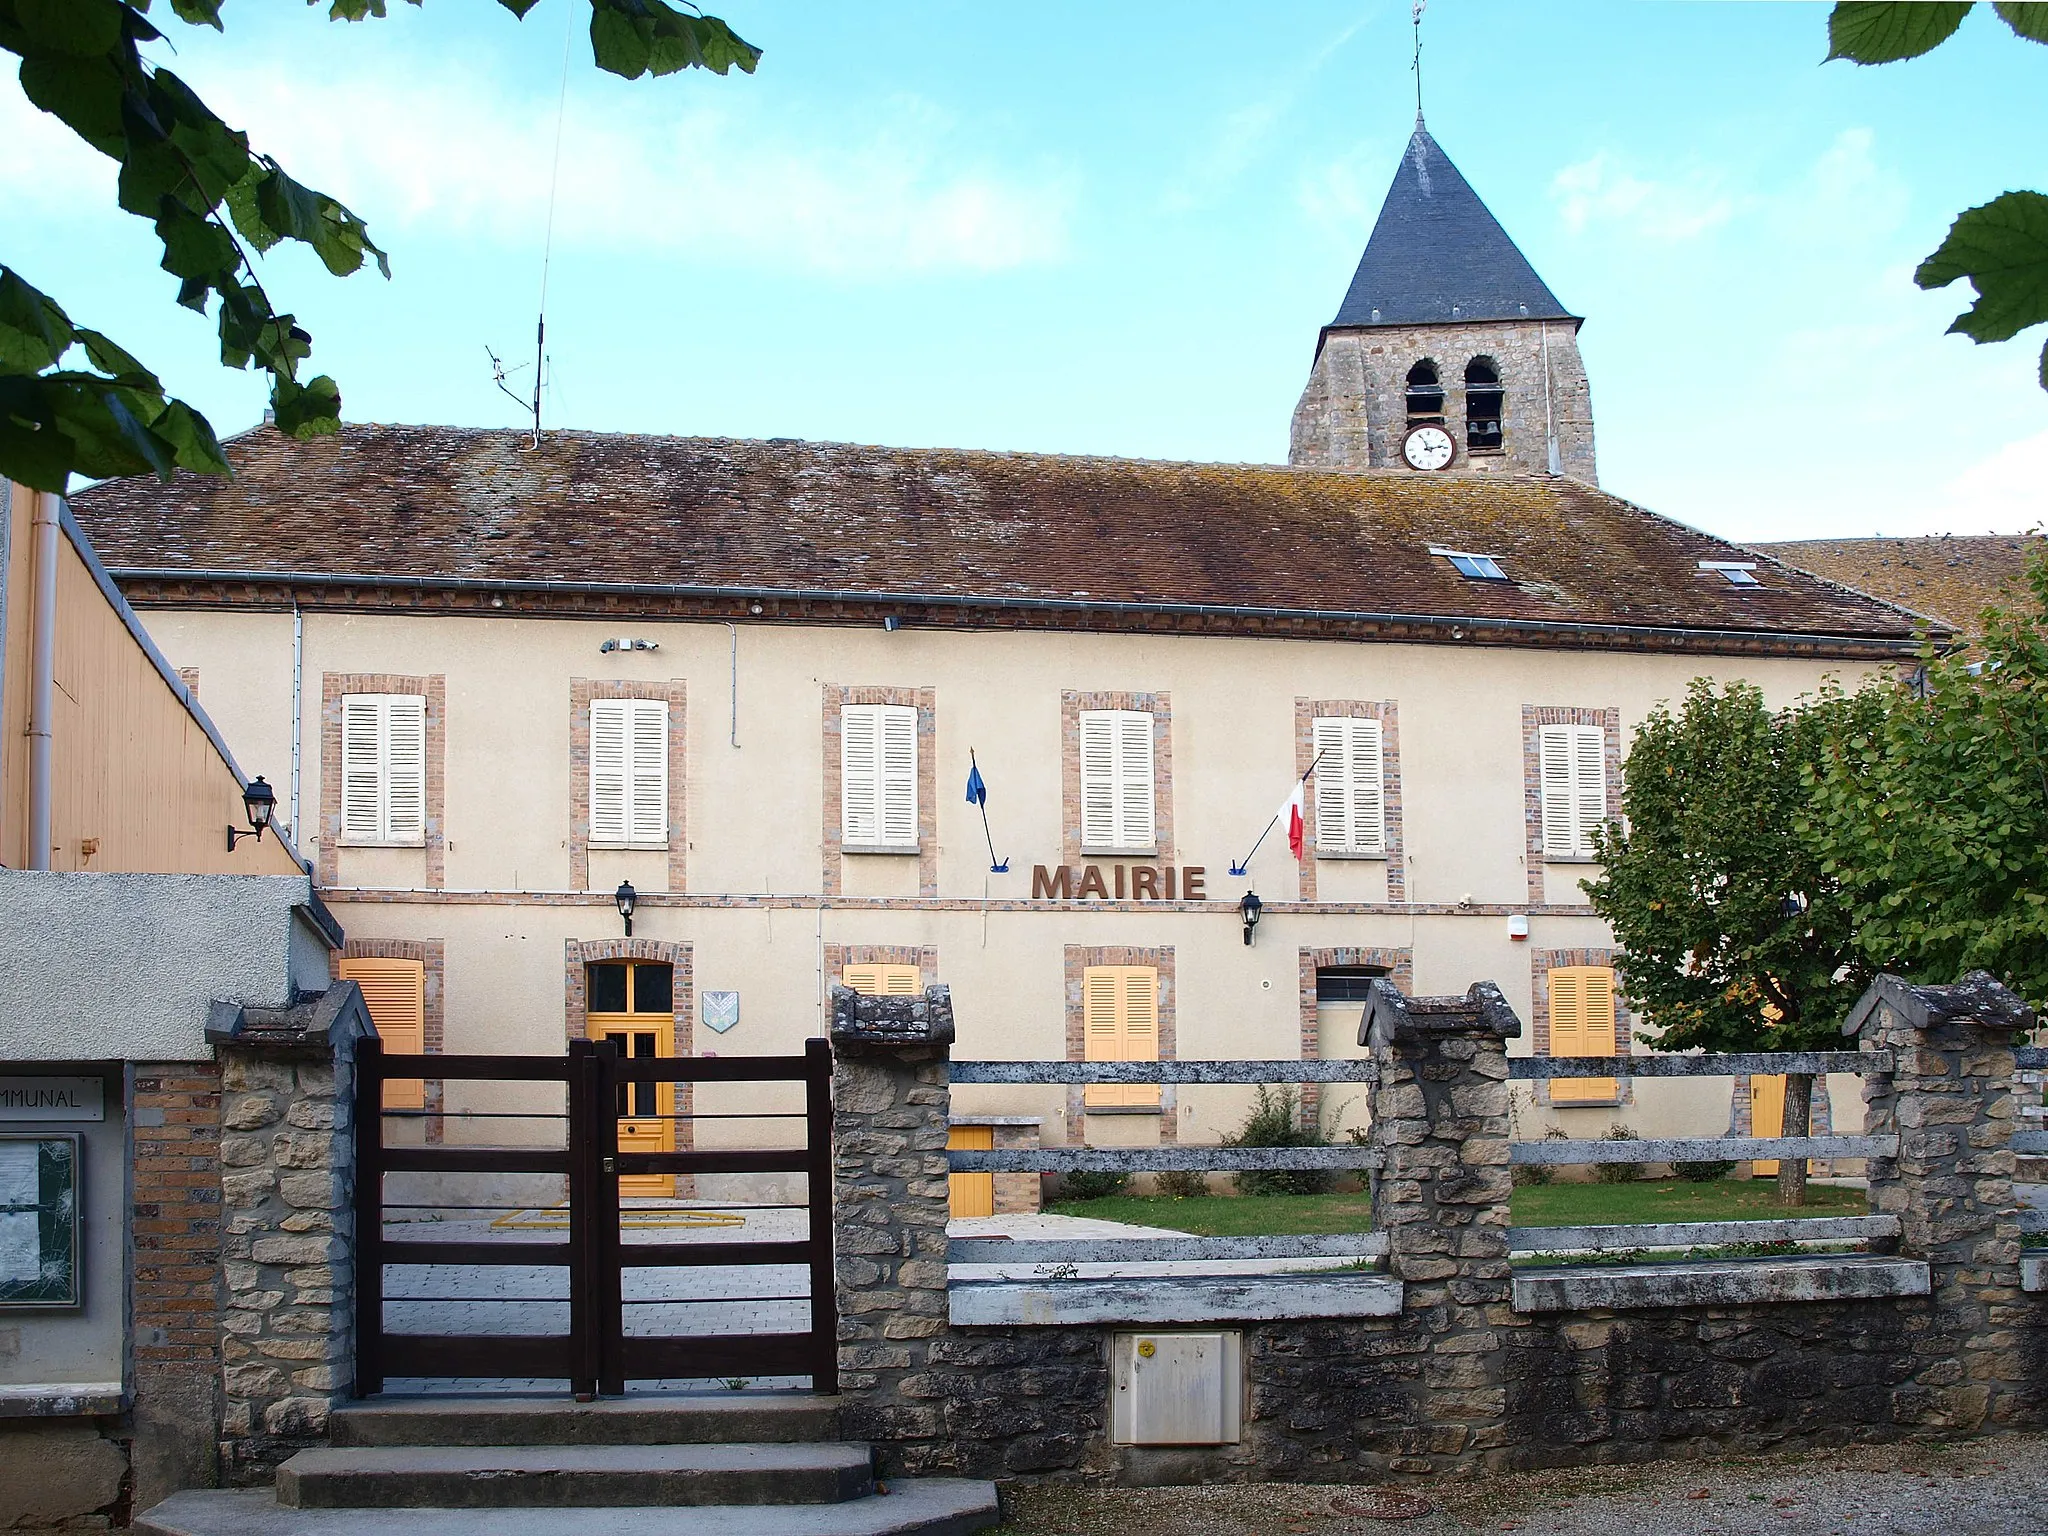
[499, 372]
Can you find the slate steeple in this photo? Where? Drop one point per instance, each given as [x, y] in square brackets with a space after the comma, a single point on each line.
[1446, 324]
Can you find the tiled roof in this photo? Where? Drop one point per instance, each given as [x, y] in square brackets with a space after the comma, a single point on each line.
[1948, 578]
[414, 506]
[1438, 255]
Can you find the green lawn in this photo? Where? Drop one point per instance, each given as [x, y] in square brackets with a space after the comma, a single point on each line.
[1540, 1205]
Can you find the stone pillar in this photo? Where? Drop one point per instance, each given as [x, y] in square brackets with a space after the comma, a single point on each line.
[1949, 1101]
[890, 1107]
[1440, 1119]
[287, 1248]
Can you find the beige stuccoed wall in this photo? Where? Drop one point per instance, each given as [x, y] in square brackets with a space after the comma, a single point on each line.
[755, 815]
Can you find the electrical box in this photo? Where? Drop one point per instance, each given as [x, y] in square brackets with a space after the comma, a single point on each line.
[1176, 1388]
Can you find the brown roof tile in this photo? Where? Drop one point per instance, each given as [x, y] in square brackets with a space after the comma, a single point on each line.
[433, 503]
[1945, 577]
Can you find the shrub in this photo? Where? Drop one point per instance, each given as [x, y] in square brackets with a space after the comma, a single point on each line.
[1092, 1186]
[1620, 1173]
[1182, 1184]
[1275, 1121]
[1540, 1173]
[1702, 1173]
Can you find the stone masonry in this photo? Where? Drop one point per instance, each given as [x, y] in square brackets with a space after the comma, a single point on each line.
[287, 1186]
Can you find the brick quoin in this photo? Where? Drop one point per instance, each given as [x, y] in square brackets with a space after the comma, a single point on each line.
[175, 1296]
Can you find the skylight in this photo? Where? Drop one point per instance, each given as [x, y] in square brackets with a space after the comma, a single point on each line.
[1473, 567]
[1737, 573]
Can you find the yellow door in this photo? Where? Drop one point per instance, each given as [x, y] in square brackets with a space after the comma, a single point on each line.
[971, 1194]
[1120, 1022]
[396, 993]
[633, 1004]
[1766, 1116]
[1582, 1023]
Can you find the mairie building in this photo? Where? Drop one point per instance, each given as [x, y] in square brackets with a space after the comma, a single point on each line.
[504, 679]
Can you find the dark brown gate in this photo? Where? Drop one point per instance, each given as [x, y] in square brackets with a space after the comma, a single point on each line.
[593, 1349]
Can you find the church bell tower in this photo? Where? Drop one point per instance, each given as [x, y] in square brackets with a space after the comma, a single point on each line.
[1449, 354]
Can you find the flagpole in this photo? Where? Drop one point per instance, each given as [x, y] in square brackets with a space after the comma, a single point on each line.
[995, 866]
[1243, 866]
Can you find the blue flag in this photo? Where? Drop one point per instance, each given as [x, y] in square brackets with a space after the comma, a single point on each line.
[977, 792]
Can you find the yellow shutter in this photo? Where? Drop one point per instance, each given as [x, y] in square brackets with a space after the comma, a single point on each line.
[1583, 1023]
[1120, 1022]
[396, 994]
[883, 980]
[971, 1194]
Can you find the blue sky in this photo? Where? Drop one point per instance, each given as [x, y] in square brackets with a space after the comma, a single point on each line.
[1089, 228]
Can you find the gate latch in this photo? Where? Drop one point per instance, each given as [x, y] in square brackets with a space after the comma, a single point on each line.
[608, 1165]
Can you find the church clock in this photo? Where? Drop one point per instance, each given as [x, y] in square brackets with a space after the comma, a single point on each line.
[1428, 447]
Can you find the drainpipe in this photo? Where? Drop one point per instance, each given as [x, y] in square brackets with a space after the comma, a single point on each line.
[298, 725]
[42, 674]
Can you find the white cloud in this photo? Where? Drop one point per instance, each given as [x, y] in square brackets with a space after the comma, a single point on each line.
[2005, 493]
[1601, 191]
[719, 183]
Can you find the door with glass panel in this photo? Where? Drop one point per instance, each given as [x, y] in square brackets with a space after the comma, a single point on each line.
[632, 1003]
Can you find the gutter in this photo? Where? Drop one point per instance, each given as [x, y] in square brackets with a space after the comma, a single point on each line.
[1451, 627]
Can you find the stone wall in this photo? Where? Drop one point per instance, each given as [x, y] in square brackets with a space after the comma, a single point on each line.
[1461, 1382]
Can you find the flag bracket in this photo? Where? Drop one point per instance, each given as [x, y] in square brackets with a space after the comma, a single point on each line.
[1243, 866]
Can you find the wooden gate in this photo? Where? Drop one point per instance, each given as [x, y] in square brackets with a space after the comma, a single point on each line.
[596, 1351]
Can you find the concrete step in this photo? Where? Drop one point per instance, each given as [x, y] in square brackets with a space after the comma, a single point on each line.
[913, 1507]
[572, 1476]
[727, 1418]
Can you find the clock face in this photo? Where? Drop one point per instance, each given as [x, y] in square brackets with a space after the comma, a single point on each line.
[1428, 447]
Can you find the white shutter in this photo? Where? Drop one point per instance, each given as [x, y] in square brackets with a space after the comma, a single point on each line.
[1574, 768]
[383, 768]
[1589, 781]
[1350, 800]
[647, 792]
[860, 756]
[1134, 779]
[362, 782]
[1098, 779]
[610, 770]
[897, 787]
[1116, 779]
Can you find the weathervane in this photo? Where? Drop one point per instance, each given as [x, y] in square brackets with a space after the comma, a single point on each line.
[1420, 7]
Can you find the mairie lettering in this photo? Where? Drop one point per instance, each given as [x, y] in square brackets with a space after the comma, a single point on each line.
[1135, 882]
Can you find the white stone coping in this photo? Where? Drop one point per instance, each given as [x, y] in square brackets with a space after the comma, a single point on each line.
[1159, 1300]
[60, 1400]
[2034, 1272]
[997, 1120]
[1717, 1283]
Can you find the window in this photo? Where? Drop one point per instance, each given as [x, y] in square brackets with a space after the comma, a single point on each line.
[1346, 983]
[1120, 1022]
[1574, 764]
[1349, 801]
[1116, 780]
[1582, 1023]
[395, 991]
[1472, 567]
[629, 772]
[883, 980]
[1483, 401]
[1737, 573]
[384, 768]
[1425, 393]
[878, 776]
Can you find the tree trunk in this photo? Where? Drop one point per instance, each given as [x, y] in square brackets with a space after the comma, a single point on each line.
[1798, 1119]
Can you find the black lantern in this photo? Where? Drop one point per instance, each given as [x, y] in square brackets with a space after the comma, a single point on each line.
[258, 801]
[1250, 908]
[627, 898]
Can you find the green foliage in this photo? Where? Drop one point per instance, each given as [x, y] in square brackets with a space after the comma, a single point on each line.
[1930, 807]
[1719, 899]
[1702, 1173]
[1619, 1173]
[2002, 246]
[1275, 1121]
[215, 204]
[1092, 1186]
[1182, 1184]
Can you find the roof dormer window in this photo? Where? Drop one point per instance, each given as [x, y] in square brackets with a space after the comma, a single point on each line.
[1737, 573]
[1470, 566]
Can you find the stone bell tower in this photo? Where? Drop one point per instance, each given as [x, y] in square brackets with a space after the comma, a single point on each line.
[1447, 327]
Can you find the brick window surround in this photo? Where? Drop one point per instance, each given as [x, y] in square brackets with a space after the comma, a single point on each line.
[672, 693]
[1534, 718]
[432, 955]
[580, 953]
[925, 702]
[1541, 963]
[839, 956]
[334, 687]
[174, 1297]
[1079, 958]
[1306, 713]
[1160, 707]
[1400, 968]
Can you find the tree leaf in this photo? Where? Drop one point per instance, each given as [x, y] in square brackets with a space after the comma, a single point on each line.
[519, 8]
[195, 248]
[308, 410]
[34, 332]
[117, 362]
[2029, 18]
[82, 28]
[200, 13]
[2002, 248]
[1885, 31]
[32, 451]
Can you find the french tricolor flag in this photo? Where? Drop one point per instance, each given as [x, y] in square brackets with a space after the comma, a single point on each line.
[1290, 813]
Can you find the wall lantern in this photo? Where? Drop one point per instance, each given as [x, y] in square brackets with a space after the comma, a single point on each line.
[1250, 908]
[258, 801]
[627, 898]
